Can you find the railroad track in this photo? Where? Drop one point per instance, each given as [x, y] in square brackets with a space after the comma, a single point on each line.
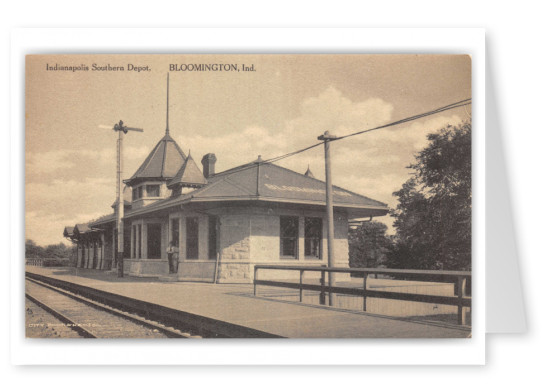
[168, 321]
[92, 319]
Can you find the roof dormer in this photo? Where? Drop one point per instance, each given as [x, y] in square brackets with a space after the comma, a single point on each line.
[188, 176]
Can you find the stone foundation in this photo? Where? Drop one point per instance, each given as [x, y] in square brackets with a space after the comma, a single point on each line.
[196, 271]
[238, 272]
[234, 272]
[147, 267]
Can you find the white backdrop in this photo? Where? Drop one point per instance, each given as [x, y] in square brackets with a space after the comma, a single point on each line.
[516, 38]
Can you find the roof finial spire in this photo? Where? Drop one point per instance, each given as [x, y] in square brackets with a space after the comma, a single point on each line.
[167, 84]
[309, 173]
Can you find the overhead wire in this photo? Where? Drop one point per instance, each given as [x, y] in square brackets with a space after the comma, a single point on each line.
[461, 103]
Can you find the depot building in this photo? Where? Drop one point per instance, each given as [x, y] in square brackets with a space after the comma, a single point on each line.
[220, 224]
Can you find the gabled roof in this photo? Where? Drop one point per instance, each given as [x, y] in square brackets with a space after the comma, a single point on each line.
[163, 162]
[267, 182]
[189, 174]
[68, 232]
[102, 220]
[81, 228]
[270, 181]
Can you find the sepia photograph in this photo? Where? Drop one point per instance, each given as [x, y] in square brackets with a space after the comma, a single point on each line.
[248, 196]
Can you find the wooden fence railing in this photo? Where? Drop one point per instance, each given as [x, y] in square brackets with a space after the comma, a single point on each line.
[49, 262]
[459, 278]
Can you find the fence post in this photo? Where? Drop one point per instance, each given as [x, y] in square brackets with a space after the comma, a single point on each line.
[365, 289]
[322, 292]
[255, 277]
[300, 289]
[461, 312]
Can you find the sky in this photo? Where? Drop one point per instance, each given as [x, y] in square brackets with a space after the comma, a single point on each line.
[281, 106]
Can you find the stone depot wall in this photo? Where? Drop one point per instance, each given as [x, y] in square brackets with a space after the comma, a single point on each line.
[235, 240]
[248, 236]
[253, 238]
[235, 272]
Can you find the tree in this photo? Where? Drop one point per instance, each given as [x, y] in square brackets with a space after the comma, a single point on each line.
[368, 244]
[32, 250]
[59, 251]
[433, 216]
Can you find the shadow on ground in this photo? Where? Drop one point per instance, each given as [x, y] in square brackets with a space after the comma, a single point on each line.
[448, 320]
[103, 275]
[440, 318]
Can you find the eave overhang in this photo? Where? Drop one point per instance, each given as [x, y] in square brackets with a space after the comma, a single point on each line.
[357, 210]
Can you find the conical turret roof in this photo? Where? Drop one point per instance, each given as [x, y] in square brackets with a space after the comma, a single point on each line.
[163, 162]
[189, 174]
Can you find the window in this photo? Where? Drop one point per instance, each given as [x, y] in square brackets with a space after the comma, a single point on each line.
[154, 241]
[312, 236]
[288, 233]
[134, 241]
[175, 232]
[149, 190]
[192, 238]
[153, 190]
[213, 237]
[126, 244]
[139, 234]
[137, 241]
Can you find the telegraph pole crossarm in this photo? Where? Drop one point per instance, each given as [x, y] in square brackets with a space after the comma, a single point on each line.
[327, 138]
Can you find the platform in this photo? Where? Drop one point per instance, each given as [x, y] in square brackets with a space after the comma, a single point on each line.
[235, 303]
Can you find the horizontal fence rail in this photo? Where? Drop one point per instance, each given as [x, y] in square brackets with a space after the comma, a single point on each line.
[459, 278]
[49, 262]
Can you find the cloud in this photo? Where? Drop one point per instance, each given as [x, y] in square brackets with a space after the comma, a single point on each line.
[336, 113]
[49, 207]
[372, 164]
[48, 162]
[133, 154]
[380, 168]
[75, 159]
[330, 110]
[234, 149]
[47, 228]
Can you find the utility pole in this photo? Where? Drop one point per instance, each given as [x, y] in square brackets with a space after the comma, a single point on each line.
[120, 198]
[327, 138]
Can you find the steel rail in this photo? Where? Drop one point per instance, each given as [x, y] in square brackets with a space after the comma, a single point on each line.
[169, 332]
[67, 321]
[170, 317]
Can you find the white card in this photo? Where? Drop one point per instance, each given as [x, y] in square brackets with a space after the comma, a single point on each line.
[447, 41]
[504, 299]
